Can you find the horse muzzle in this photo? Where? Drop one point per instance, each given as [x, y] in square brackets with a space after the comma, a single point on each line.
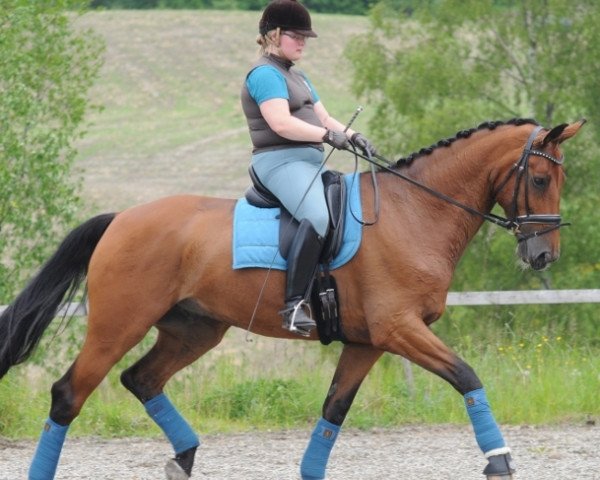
[536, 258]
[535, 248]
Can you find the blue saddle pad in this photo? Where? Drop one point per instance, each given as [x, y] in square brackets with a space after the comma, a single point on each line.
[256, 232]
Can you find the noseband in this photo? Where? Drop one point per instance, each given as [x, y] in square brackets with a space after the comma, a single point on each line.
[521, 171]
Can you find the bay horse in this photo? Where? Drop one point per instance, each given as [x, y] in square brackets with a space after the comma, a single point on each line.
[167, 264]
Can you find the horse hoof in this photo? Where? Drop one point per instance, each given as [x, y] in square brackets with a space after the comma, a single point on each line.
[500, 467]
[174, 471]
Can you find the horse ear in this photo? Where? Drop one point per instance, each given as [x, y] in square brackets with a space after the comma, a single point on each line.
[562, 132]
[554, 134]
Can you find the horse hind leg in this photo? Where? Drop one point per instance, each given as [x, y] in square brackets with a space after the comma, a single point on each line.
[184, 336]
[354, 364]
[101, 350]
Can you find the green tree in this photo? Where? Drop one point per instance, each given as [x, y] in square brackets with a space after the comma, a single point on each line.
[46, 69]
[348, 7]
[467, 60]
[449, 65]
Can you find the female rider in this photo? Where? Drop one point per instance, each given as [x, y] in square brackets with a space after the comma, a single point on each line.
[288, 124]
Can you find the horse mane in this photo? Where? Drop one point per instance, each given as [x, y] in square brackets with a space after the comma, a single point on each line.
[489, 125]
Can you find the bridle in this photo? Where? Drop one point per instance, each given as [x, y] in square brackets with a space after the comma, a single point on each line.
[521, 170]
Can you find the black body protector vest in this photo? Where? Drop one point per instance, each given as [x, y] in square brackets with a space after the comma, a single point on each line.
[301, 106]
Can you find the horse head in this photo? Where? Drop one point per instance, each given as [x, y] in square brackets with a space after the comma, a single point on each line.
[529, 192]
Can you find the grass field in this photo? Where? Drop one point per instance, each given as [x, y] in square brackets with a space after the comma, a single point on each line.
[171, 119]
[265, 385]
[172, 123]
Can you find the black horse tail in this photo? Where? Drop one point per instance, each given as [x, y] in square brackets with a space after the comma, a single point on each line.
[27, 317]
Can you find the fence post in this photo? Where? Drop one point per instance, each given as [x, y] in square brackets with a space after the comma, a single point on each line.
[409, 377]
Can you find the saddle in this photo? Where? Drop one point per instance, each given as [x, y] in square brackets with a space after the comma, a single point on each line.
[324, 297]
[335, 194]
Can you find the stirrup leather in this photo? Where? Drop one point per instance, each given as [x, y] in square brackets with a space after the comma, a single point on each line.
[289, 319]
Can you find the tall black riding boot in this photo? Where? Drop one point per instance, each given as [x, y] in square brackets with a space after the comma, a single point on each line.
[303, 258]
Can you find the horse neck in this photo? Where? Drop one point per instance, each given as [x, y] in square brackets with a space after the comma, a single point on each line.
[461, 171]
[464, 172]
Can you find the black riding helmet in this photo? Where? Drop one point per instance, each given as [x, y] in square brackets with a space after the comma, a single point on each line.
[287, 15]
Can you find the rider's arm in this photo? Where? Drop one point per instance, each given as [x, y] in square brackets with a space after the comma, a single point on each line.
[268, 88]
[277, 114]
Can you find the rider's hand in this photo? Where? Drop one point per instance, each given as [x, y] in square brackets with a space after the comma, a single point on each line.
[360, 141]
[336, 139]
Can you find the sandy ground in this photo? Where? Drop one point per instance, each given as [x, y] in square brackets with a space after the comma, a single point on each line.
[415, 452]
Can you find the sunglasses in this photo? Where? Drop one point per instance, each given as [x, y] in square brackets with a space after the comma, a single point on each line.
[295, 36]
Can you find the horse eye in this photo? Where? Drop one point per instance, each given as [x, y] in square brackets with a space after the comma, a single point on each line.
[540, 182]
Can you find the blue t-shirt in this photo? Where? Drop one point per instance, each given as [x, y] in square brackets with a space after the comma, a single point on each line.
[266, 82]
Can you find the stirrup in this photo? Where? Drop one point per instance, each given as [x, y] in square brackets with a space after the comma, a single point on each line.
[304, 327]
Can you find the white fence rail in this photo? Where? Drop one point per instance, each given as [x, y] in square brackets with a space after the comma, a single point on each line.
[77, 309]
[523, 297]
[506, 297]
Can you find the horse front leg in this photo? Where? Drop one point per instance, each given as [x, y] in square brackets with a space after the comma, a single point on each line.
[416, 342]
[354, 364]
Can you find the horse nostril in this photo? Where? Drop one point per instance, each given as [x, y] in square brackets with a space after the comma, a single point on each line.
[541, 261]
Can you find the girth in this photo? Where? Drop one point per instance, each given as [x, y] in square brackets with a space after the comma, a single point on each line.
[335, 194]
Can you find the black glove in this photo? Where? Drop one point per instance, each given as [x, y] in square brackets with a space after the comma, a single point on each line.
[336, 139]
[360, 141]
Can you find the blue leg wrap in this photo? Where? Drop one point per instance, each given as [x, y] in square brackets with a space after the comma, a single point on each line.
[487, 433]
[317, 453]
[44, 463]
[177, 430]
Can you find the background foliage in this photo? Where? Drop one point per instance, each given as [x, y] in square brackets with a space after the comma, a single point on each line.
[459, 62]
[349, 7]
[46, 70]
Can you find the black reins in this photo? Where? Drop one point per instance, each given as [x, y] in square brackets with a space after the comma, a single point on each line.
[512, 223]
